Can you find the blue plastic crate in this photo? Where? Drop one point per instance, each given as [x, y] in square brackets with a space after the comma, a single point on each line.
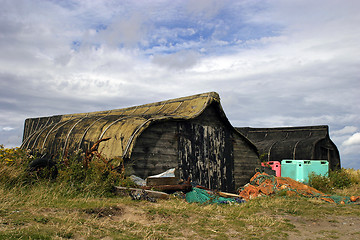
[299, 170]
[319, 167]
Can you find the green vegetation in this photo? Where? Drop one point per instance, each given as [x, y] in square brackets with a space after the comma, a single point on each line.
[94, 177]
[336, 181]
[79, 204]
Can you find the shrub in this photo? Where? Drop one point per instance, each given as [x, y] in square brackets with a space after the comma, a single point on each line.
[320, 182]
[338, 179]
[13, 166]
[97, 176]
[94, 177]
[354, 175]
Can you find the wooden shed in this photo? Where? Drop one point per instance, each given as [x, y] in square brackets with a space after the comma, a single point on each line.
[190, 133]
[297, 143]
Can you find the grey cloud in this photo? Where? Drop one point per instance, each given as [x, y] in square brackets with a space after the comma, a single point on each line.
[180, 60]
[351, 161]
[205, 8]
[11, 138]
[345, 130]
[9, 29]
[124, 30]
[63, 60]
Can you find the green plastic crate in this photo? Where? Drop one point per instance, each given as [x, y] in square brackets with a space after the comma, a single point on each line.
[319, 167]
[299, 170]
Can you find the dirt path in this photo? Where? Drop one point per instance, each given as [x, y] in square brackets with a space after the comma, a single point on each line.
[341, 227]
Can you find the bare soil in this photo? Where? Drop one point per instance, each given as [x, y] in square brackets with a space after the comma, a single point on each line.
[328, 227]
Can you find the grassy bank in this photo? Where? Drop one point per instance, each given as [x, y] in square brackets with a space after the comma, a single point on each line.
[47, 211]
[79, 204]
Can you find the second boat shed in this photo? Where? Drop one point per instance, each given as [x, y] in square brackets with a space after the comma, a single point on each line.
[297, 143]
[190, 133]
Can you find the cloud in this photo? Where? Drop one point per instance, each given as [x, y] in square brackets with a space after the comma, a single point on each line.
[127, 31]
[353, 140]
[179, 60]
[7, 129]
[350, 148]
[207, 8]
[272, 64]
[346, 130]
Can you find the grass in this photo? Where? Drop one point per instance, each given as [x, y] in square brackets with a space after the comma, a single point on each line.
[40, 213]
[39, 208]
[45, 212]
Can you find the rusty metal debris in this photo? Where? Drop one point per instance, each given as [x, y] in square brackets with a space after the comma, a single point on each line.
[186, 186]
[94, 151]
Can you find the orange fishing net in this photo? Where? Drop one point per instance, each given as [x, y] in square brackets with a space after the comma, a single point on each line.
[264, 184]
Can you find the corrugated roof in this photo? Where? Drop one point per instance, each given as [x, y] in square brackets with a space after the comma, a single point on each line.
[58, 134]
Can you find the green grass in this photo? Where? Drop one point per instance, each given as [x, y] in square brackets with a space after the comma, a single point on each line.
[39, 208]
[44, 212]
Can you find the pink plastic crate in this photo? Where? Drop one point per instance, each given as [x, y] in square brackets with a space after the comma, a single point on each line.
[275, 165]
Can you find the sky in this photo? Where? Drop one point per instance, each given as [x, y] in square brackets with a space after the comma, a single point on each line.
[274, 63]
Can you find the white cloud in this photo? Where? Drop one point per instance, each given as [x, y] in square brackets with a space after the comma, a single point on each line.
[353, 140]
[7, 129]
[350, 150]
[351, 146]
[345, 131]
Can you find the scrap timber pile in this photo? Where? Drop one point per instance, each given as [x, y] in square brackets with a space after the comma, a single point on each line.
[261, 184]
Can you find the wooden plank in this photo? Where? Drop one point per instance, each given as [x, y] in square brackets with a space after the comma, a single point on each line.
[228, 195]
[151, 193]
[155, 181]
